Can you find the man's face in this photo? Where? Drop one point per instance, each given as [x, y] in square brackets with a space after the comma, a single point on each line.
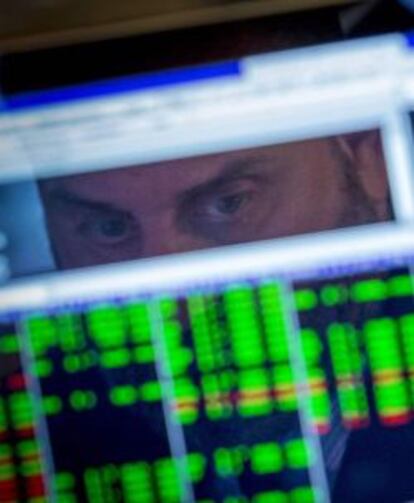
[214, 200]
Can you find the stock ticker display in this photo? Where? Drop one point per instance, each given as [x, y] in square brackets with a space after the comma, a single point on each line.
[250, 392]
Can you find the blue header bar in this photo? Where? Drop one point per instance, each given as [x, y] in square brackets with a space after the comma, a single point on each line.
[409, 37]
[122, 85]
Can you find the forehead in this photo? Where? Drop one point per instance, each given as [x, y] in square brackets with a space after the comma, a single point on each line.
[171, 177]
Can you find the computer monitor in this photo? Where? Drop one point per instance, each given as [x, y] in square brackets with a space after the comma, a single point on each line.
[207, 290]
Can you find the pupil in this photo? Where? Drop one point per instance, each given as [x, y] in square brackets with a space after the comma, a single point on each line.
[113, 228]
[230, 204]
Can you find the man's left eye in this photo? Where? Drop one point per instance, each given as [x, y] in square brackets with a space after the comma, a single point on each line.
[227, 205]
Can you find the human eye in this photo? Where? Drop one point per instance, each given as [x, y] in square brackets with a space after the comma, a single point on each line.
[108, 229]
[231, 212]
[224, 206]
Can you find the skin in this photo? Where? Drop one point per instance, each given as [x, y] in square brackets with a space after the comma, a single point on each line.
[215, 200]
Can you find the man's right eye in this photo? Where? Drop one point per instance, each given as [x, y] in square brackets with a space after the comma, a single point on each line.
[108, 230]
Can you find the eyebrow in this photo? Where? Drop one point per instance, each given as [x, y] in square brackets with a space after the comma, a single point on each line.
[232, 171]
[66, 197]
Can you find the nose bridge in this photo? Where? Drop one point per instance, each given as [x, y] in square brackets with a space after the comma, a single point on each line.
[162, 236]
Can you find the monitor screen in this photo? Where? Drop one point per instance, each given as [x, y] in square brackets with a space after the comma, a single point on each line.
[207, 293]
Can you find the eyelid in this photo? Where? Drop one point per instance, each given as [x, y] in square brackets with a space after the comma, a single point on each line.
[221, 187]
